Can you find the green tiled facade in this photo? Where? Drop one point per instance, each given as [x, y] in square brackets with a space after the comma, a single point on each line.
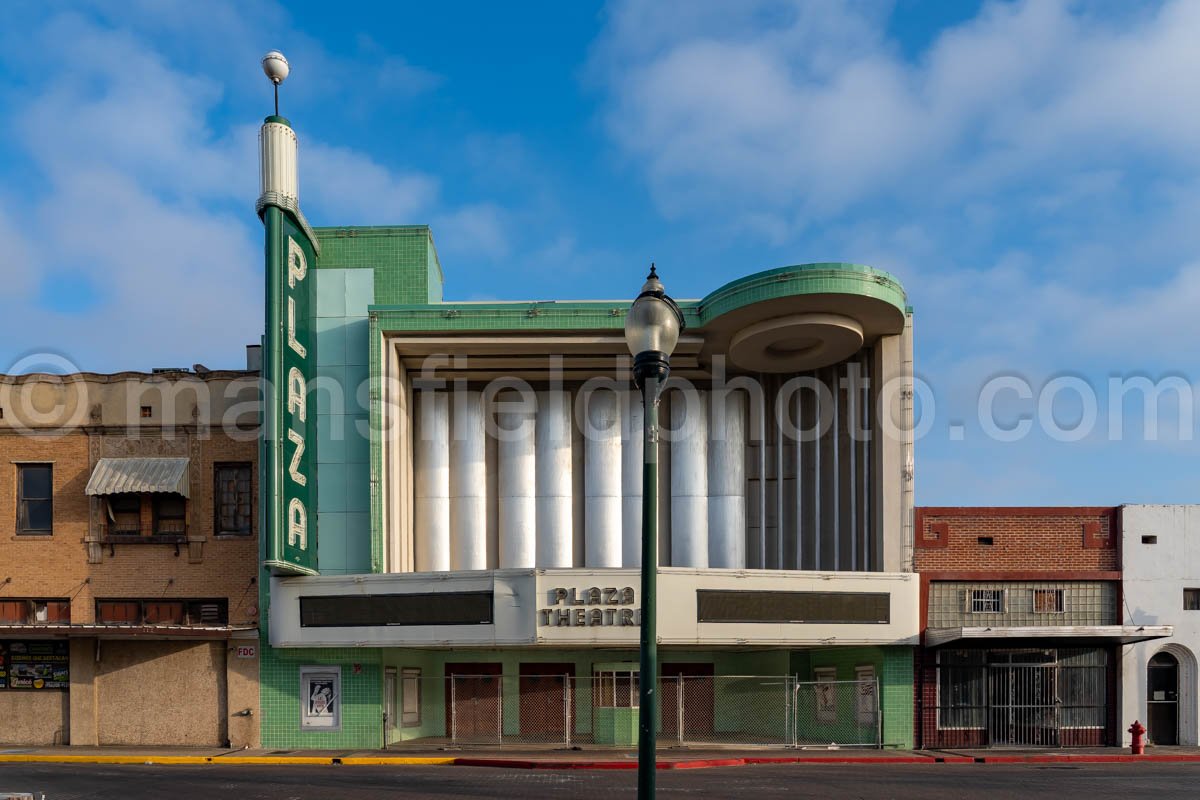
[894, 671]
[361, 704]
[403, 258]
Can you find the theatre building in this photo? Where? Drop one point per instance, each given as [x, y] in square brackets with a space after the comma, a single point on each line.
[1022, 627]
[128, 604]
[453, 499]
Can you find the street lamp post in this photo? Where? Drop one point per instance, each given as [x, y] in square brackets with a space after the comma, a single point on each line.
[651, 331]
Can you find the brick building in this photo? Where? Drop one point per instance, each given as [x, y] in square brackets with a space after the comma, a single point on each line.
[128, 549]
[1021, 626]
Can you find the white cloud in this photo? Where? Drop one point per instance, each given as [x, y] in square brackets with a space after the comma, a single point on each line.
[340, 186]
[796, 109]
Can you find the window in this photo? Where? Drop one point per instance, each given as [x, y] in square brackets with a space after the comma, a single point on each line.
[836, 608]
[410, 697]
[617, 688]
[1048, 601]
[321, 698]
[986, 601]
[125, 514]
[962, 689]
[232, 495]
[147, 412]
[35, 499]
[1191, 599]
[163, 612]
[170, 515]
[118, 612]
[16, 611]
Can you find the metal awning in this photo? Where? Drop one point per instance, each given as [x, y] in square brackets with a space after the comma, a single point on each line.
[133, 475]
[1075, 634]
[117, 631]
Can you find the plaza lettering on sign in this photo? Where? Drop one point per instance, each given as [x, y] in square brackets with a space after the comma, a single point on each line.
[297, 400]
[590, 608]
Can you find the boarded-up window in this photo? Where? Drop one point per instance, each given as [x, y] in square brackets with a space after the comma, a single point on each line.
[119, 612]
[163, 612]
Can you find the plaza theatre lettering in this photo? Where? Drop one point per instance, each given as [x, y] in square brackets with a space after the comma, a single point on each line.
[590, 608]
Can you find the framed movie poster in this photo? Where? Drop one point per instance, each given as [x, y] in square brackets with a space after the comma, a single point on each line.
[321, 698]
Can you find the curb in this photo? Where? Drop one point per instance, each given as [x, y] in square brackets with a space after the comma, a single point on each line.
[540, 764]
[1115, 758]
[200, 760]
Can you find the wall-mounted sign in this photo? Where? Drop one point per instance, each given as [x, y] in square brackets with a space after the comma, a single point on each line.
[593, 607]
[289, 425]
[247, 651]
[36, 664]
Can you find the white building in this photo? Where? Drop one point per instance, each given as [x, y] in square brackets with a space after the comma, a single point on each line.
[1161, 576]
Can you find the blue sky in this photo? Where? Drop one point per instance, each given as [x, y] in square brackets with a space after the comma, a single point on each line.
[1029, 170]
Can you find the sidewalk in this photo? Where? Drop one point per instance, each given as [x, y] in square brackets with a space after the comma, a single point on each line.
[549, 759]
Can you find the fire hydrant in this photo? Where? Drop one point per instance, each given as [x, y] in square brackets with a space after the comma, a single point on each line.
[1137, 746]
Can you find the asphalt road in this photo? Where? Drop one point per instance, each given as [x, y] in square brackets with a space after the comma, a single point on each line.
[841, 782]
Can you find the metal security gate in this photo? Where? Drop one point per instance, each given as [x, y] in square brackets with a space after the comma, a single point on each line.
[1024, 709]
[1018, 698]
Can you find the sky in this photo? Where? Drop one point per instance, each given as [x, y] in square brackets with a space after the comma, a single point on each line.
[1030, 171]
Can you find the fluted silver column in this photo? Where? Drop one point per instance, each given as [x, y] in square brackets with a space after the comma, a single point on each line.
[552, 442]
[689, 479]
[602, 480]
[631, 481]
[432, 488]
[727, 481]
[468, 483]
[516, 487]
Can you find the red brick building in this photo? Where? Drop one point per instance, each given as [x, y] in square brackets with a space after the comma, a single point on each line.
[1021, 626]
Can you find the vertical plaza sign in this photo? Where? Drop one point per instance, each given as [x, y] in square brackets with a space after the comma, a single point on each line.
[289, 363]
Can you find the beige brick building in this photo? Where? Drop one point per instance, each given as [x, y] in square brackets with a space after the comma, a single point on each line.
[128, 553]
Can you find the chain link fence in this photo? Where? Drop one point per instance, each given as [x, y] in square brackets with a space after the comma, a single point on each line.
[563, 710]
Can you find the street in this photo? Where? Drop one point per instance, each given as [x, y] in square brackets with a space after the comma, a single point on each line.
[902, 782]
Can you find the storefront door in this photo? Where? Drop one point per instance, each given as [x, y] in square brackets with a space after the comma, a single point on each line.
[390, 721]
[1162, 713]
[687, 695]
[474, 703]
[1023, 708]
[545, 694]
